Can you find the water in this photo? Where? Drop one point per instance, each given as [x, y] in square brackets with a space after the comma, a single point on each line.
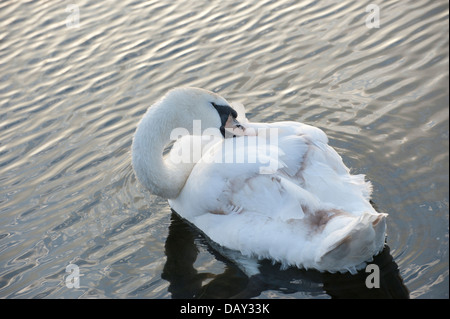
[71, 97]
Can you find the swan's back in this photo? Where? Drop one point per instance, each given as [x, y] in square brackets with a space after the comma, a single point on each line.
[290, 199]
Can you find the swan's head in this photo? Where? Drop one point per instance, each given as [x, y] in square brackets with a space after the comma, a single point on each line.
[210, 108]
[176, 114]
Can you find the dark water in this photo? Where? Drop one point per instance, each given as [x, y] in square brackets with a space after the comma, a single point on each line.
[71, 96]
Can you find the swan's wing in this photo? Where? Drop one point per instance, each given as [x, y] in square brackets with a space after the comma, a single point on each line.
[245, 174]
[270, 217]
[286, 216]
[320, 165]
[296, 142]
[295, 151]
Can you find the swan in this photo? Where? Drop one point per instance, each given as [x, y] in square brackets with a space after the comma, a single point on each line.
[267, 190]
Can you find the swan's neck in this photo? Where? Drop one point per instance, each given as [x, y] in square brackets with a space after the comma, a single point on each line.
[156, 173]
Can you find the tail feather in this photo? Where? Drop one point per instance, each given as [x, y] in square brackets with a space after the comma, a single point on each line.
[353, 246]
[345, 244]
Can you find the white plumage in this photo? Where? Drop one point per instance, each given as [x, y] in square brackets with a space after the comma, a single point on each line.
[278, 192]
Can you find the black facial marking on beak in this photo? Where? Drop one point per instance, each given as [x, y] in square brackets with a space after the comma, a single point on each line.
[224, 112]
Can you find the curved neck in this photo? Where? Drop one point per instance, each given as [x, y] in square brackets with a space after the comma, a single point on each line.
[152, 135]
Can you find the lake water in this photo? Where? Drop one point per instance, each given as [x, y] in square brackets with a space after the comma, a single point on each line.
[76, 77]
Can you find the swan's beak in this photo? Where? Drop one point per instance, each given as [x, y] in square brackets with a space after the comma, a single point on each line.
[233, 128]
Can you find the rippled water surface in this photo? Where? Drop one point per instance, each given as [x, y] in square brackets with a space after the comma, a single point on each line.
[72, 94]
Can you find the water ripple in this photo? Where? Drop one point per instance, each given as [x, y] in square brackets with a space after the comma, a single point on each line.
[70, 99]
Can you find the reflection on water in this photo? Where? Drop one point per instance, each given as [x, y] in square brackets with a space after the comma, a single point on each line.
[187, 282]
[72, 92]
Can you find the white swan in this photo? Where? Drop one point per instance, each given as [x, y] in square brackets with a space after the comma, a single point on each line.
[276, 191]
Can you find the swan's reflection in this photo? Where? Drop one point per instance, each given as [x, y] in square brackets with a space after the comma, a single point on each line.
[187, 282]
